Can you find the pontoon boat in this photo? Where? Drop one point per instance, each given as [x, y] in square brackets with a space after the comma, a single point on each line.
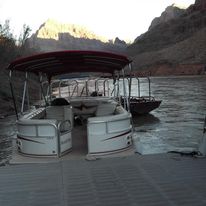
[50, 129]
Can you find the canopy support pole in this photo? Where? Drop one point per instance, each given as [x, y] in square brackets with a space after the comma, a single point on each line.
[126, 102]
[24, 93]
[118, 91]
[130, 80]
[149, 88]
[27, 94]
[12, 94]
[42, 91]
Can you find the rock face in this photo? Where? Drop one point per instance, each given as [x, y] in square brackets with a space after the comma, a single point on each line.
[199, 5]
[53, 36]
[120, 42]
[171, 12]
[52, 29]
[174, 43]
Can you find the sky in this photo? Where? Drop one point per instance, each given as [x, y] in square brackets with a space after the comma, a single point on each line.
[125, 19]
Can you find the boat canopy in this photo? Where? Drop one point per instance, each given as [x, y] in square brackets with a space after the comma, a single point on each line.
[62, 62]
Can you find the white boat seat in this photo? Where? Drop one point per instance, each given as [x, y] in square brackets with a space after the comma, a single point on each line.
[106, 109]
[60, 113]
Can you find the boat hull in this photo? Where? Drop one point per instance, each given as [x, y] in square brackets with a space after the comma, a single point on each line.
[143, 107]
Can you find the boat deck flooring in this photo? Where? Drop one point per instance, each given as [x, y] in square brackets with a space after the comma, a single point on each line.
[160, 180]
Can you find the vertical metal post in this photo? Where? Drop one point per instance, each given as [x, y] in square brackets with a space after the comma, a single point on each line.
[104, 86]
[50, 91]
[12, 94]
[138, 87]
[96, 85]
[118, 86]
[42, 91]
[149, 88]
[69, 87]
[27, 93]
[58, 141]
[77, 88]
[47, 91]
[124, 89]
[86, 85]
[59, 89]
[130, 80]
[104, 89]
[24, 93]
[114, 85]
[108, 88]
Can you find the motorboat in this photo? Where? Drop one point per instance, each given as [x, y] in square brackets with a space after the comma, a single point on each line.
[49, 129]
[139, 104]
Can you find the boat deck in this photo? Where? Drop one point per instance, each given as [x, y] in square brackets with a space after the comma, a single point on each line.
[162, 179]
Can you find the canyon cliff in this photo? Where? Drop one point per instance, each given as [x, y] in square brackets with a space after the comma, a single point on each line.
[171, 12]
[53, 36]
[174, 44]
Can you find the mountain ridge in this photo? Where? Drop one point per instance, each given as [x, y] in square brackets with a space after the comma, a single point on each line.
[172, 43]
[171, 12]
[53, 36]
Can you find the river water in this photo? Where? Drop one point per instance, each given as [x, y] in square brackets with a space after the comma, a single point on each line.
[7, 132]
[177, 125]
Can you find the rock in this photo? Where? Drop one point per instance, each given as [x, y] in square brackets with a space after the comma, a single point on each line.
[52, 29]
[119, 42]
[200, 5]
[53, 36]
[171, 12]
[173, 42]
[171, 69]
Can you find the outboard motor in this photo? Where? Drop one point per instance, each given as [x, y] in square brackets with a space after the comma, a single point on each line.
[202, 146]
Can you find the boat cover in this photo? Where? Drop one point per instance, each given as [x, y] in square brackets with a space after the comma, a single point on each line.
[62, 62]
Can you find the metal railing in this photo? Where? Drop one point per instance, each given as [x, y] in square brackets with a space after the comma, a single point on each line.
[79, 88]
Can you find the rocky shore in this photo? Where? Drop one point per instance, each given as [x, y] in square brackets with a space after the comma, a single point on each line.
[172, 70]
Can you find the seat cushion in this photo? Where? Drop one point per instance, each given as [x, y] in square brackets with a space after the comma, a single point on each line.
[106, 109]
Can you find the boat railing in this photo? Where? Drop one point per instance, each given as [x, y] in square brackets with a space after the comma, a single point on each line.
[102, 87]
[70, 85]
[76, 88]
[149, 88]
[71, 88]
[62, 131]
[65, 84]
[53, 127]
[84, 88]
[94, 83]
[97, 84]
[106, 83]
